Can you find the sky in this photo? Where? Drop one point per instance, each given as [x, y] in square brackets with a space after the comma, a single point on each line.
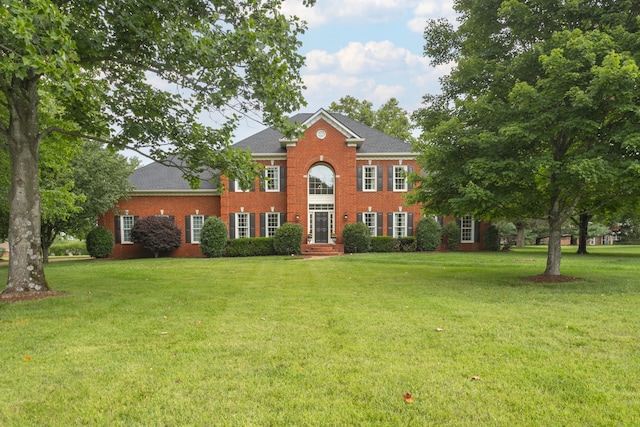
[369, 49]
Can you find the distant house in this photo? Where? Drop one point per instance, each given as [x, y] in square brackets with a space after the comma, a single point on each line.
[340, 171]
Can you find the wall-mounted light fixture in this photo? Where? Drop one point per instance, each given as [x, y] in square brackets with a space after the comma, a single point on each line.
[297, 217]
[346, 216]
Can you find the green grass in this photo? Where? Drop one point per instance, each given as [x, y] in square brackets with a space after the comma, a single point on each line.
[336, 341]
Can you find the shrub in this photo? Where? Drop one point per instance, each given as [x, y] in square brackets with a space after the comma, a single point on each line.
[382, 244]
[405, 244]
[288, 239]
[157, 233]
[75, 247]
[356, 238]
[451, 235]
[492, 238]
[100, 242]
[255, 246]
[428, 234]
[213, 237]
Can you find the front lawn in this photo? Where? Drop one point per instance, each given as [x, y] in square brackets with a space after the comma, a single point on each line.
[337, 341]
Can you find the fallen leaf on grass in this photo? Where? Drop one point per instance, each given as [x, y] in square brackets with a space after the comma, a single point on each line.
[27, 358]
[164, 333]
[439, 329]
[475, 378]
[408, 397]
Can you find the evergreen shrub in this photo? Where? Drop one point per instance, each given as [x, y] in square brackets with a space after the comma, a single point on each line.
[99, 242]
[254, 246]
[451, 235]
[428, 234]
[356, 238]
[492, 238]
[382, 244]
[288, 239]
[405, 244]
[213, 237]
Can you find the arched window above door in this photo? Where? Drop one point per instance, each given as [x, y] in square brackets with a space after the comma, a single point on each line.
[321, 179]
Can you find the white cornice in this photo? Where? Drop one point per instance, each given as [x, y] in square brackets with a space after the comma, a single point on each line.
[157, 193]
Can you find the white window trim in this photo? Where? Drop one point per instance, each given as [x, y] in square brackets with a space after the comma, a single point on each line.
[470, 227]
[374, 186]
[238, 187]
[266, 225]
[122, 229]
[275, 181]
[238, 228]
[193, 239]
[397, 215]
[405, 171]
[373, 229]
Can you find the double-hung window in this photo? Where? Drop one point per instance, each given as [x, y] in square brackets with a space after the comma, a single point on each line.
[197, 221]
[126, 223]
[466, 229]
[242, 225]
[272, 223]
[400, 178]
[272, 178]
[371, 220]
[399, 224]
[369, 178]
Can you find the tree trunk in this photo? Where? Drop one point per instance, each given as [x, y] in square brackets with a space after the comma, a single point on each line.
[520, 235]
[26, 271]
[554, 250]
[585, 218]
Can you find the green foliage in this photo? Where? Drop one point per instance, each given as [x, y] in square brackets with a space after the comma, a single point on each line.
[428, 234]
[288, 239]
[451, 235]
[356, 238]
[405, 244]
[74, 247]
[99, 242]
[492, 238]
[382, 244]
[213, 237]
[157, 233]
[254, 246]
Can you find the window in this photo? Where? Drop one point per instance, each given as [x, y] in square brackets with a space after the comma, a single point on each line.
[242, 225]
[272, 178]
[400, 178]
[399, 224]
[369, 178]
[371, 220]
[321, 180]
[466, 229]
[273, 223]
[237, 188]
[126, 223]
[197, 221]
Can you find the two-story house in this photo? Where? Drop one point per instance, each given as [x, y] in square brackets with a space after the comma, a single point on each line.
[339, 172]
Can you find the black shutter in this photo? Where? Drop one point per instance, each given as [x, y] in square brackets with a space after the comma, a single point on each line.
[263, 178]
[379, 224]
[232, 226]
[283, 178]
[232, 185]
[252, 225]
[409, 223]
[187, 229]
[359, 217]
[409, 172]
[390, 178]
[283, 218]
[440, 220]
[116, 229]
[172, 218]
[380, 172]
[359, 184]
[263, 226]
[476, 231]
[390, 224]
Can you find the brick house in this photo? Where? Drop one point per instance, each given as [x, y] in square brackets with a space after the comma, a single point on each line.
[339, 172]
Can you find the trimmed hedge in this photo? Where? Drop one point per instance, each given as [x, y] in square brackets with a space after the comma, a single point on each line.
[288, 239]
[382, 244]
[100, 242]
[356, 238]
[428, 234]
[492, 238]
[405, 244]
[75, 247]
[254, 246]
[213, 237]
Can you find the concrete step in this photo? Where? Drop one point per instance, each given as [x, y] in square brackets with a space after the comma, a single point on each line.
[322, 249]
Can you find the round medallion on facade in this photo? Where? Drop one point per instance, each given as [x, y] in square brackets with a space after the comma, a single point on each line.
[321, 134]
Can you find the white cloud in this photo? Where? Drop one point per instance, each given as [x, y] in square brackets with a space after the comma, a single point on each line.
[432, 9]
[341, 11]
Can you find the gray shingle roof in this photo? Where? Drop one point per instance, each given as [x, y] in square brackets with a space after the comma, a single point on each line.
[159, 177]
[375, 142]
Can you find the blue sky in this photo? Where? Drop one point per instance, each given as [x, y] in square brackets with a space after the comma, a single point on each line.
[369, 49]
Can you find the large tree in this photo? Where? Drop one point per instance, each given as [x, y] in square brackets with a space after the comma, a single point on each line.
[143, 75]
[541, 104]
[390, 118]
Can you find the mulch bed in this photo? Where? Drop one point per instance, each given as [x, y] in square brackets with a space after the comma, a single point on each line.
[28, 296]
[541, 278]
